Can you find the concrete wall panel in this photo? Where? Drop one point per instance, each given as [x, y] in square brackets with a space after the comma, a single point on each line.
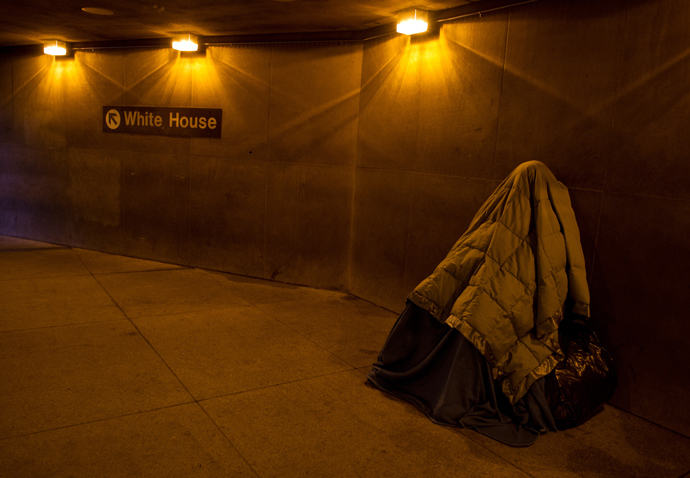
[442, 209]
[315, 103]
[640, 286]
[308, 212]
[587, 207]
[6, 99]
[34, 185]
[96, 179]
[461, 76]
[161, 77]
[39, 83]
[93, 80]
[380, 236]
[389, 104]
[559, 87]
[235, 79]
[652, 122]
[156, 207]
[228, 214]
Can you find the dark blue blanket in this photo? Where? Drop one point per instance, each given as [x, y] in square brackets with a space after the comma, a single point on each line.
[433, 366]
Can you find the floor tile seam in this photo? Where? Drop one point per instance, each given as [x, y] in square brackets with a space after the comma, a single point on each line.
[464, 432]
[319, 294]
[201, 404]
[274, 385]
[278, 323]
[65, 325]
[469, 434]
[260, 281]
[359, 314]
[224, 435]
[293, 301]
[145, 271]
[99, 420]
[61, 276]
[649, 422]
[163, 269]
[281, 302]
[396, 314]
[160, 357]
[34, 249]
[195, 310]
[307, 338]
[218, 275]
[148, 342]
[184, 386]
[368, 316]
[115, 254]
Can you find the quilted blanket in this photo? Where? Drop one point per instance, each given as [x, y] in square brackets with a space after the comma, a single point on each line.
[507, 282]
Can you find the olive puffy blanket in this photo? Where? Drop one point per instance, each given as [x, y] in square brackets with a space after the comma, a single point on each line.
[507, 281]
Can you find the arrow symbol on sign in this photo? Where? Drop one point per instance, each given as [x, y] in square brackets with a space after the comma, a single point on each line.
[112, 119]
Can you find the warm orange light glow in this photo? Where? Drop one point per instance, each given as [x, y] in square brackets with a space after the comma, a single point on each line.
[412, 21]
[185, 42]
[98, 11]
[55, 48]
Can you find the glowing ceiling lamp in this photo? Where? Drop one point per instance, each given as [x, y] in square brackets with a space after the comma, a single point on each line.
[413, 21]
[55, 48]
[185, 42]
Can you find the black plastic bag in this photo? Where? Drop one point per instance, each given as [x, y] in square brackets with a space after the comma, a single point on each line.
[579, 386]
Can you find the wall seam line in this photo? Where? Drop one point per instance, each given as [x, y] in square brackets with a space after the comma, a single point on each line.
[500, 96]
[409, 229]
[415, 163]
[350, 245]
[14, 108]
[609, 159]
[268, 162]
[124, 219]
[189, 176]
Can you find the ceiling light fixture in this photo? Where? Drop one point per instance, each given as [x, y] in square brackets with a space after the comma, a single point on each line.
[185, 42]
[55, 48]
[413, 21]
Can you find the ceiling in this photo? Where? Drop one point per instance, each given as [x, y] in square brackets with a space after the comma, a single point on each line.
[33, 21]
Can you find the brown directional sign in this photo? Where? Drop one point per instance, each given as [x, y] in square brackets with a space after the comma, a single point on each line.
[185, 122]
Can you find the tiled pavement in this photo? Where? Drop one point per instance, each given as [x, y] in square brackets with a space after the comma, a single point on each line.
[114, 366]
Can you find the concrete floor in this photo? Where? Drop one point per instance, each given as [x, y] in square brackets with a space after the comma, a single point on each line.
[113, 366]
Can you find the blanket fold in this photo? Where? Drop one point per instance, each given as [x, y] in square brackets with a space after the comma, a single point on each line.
[506, 282]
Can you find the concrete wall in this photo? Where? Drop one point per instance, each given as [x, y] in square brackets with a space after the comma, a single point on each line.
[272, 198]
[600, 92]
[357, 167]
